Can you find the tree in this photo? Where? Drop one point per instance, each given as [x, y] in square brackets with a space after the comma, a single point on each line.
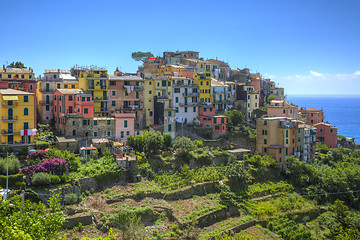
[16, 65]
[31, 220]
[235, 118]
[270, 98]
[167, 141]
[154, 142]
[184, 145]
[237, 173]
[141, 56]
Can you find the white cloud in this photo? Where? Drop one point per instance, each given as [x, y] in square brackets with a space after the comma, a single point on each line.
[316, 74]
[320, 83]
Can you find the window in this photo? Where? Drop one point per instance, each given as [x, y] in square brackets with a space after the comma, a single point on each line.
[73, 123]
[112, 83]
[60, 109]
[201, 83]
[194, 109]
[137, 133]
[83, 99]
[321, 130]
[26, 98]
[95, 122]
[280, 150]
[127, 133]
[149, 83]
[163, 83]
[137, 94]
[122, 134]
[169, 128]
[26, 125]
[65, 86]
[108, 122]
[248, 96]
[108, 133]
[113, 103]
[265, 150]
[125, 123]
[149, 92]
[58, 85]
[287, 141]
[31, 87]
[214, 120]
[126, 93]
[95, 133]
[169, 83]
[176, 90]
[211, 109]
[70, 97]
[222, 120]
[287, 151]
[54, 76]
[207, 83]
[151, 113]
[26, 112]
[331, 130]
[265, 141]
[217, 128]
[54, 97]
[88, 99]
[86, 110]
[256, 96]
[177, 109]
[287, 133]
[47, 108]
[185, 110]
[72, 86]
[176, 99]
[204, 109]
[113, 93]
[169, 113]
[9, 75]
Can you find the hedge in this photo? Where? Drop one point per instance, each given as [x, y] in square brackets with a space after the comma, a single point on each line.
[14, 180]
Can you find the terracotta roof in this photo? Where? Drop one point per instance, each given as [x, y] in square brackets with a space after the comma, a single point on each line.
[89, 148]
[10, 91]
[312, 109]
[325, 124]
[155, 127]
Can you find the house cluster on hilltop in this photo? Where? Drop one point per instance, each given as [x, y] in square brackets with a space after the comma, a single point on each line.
[86, 104]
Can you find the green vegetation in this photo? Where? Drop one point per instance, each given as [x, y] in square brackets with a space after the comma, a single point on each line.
[141, 56]
[14, 165]
[16, 65]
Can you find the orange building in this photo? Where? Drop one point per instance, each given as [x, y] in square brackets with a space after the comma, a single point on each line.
[208, 118]
[326, 133]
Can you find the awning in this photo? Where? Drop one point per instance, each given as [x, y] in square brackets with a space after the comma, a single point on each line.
[13, 98]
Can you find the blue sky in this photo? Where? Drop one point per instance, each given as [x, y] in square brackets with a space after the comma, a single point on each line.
[309, 47]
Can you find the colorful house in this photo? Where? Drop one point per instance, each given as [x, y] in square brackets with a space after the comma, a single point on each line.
[126, 95]
[96, 81]
[203, 81]
[18, 124]
[277, 136]
[219, 93]
[278, 108]
[22, 79]
[46, 86]
[313, 116]
[326, 134]
[124, 125]
[208, 118]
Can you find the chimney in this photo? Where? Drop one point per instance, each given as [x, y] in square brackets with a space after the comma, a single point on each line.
[58, 70]
[4, 67]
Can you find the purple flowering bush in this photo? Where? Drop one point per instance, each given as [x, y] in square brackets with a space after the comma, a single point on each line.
[56, 166]
[35, 157]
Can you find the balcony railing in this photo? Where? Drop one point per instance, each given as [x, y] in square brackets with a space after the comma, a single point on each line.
[102, 87]
[163, 97]
[10, 132]
[100, 99]
[9, 118]
[46, 102]
[47, 90]
[189, 104]
[14, 104]
[190, 94]
[139, 87]
[103, 109]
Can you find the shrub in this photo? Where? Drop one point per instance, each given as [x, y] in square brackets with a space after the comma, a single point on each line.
[35, 157]
[14, 165]
[56, 166]
[71, 198]
[41, 179]
[54, 179]
[14, 180]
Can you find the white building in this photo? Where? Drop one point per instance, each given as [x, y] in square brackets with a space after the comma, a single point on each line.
[306, 142]
[185, 100]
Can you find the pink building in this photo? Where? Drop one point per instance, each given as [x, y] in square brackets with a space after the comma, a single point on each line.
[125, 125]
[279, 108]
[208, 118]
[326, 133]
[72, 102]
[313, 116]
[126, 94]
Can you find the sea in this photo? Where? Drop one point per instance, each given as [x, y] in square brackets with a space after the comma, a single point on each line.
[342, 111]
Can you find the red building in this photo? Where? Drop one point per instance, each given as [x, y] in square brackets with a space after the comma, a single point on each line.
[72, 102]
[326, 133]
[208, 118]
[313, 116]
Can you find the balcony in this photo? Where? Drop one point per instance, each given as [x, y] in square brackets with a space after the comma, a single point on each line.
[10, 132]
[47, 90]
[222, 101]
[14, 104]
[160, 98]
[192, 104]
[102, 87]
[139, 87]
[46, 103]
[101, 110]
[190, 94]
[71, 115]
[100, 99]
[9, 118]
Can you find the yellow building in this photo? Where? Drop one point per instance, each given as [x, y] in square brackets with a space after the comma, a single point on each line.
[17, 123]
[170, 70]
[277, 136]
[52, 80]
[96, 81]
[203, 80]
[157, 104]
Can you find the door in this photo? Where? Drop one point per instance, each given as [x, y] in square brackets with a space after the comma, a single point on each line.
[10, 127]
[10, 113]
